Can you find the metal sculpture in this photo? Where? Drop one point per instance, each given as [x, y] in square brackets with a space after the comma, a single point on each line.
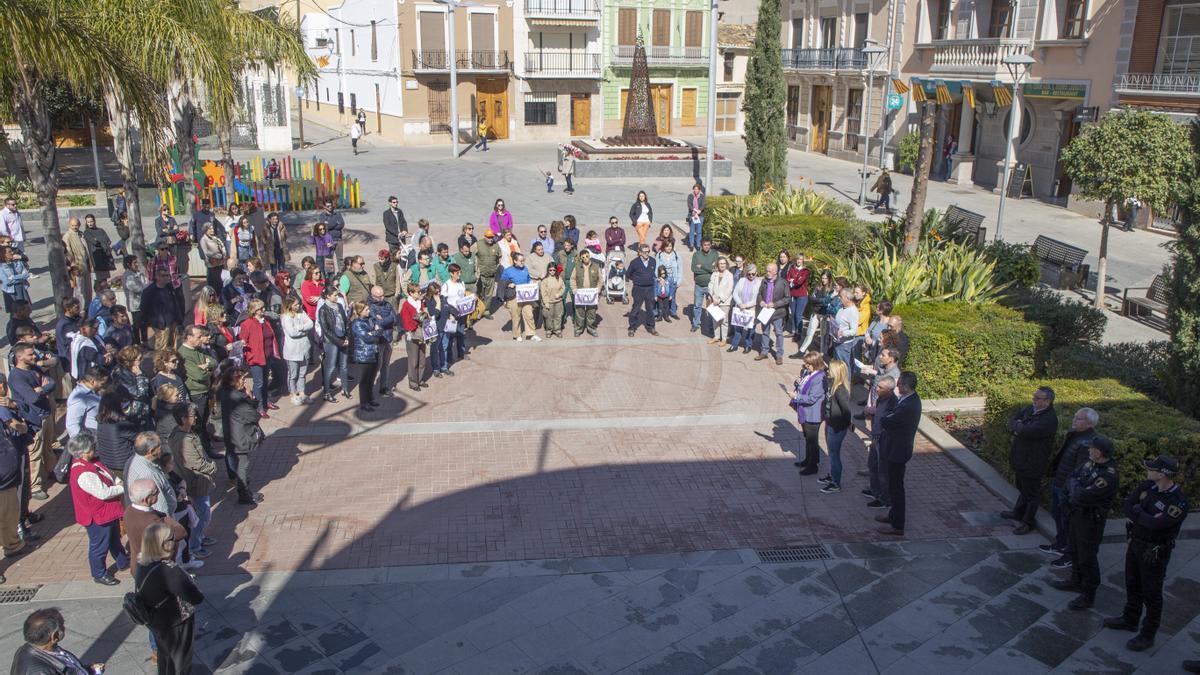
[640, 127]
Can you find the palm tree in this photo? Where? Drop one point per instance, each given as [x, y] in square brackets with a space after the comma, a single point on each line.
[172, 41]
[62, 39]
[265, 38]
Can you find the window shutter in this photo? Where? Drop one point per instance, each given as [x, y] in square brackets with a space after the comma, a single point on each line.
[693, 34]
[661, 28]
[627, 26]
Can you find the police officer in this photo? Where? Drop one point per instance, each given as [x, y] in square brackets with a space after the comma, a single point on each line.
[1092, 487]
[1155, 509]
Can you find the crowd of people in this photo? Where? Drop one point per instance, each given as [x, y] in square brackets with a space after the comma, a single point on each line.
[163, 390]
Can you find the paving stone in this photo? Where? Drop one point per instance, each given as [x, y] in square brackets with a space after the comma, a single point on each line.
[1045, 644]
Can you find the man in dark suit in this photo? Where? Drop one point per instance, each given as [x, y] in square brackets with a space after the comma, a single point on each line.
[394, 224]
[1033, 430]
[896, 448]
[773, 293]
[640, 274]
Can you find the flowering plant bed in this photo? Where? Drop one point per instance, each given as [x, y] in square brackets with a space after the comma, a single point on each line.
[965, 427]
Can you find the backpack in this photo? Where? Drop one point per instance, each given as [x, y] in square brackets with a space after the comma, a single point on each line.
[135, 606]
[827, 403]
[62, 469]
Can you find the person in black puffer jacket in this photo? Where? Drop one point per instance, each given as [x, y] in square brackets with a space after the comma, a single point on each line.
[1074, 451]
[115, 432]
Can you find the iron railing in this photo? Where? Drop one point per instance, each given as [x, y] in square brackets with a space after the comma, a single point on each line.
[1168, 84]
[562, 7]
[439, 59]
[623, 54]
[833, 58]
[562, 64]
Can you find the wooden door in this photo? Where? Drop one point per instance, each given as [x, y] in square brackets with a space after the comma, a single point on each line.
[581, 114]
[687, 111]
[661, 94]
[822, 109]
[491, 100]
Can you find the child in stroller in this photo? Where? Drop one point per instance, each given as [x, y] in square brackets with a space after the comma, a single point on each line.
[614, 277]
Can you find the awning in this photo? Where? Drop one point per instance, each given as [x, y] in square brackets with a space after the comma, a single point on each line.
[968, 93]
[899, 86]
[1002, 93]
[942, 92]
[570, 23]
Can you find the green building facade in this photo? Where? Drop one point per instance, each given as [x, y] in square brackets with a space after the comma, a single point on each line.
[676, 36]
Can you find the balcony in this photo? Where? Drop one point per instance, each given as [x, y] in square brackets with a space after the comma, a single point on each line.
[438, 61]
[1168, 85]
[582, 10]
[562, 65]
[836, 58]
[983, 57]
[622, 55]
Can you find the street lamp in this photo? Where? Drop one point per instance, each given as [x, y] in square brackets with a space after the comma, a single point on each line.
[873, 53]
[1018, 66]
[712, 98]
[452, 5]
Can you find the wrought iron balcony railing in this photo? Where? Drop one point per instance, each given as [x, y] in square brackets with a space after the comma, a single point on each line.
[439, 59]
[562, 64]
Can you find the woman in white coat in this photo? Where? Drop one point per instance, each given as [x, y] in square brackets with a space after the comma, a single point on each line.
[297, 329]
[720, 293]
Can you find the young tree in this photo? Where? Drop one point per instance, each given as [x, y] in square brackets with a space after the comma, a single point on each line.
[916, 205]
[1183, 292]
[766, 132]
[1129, 153]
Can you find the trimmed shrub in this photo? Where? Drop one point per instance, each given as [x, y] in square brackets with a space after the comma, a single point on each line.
[1141, 366]
[1067, 321]
[1015, 264]
[957, 349]
[721, 212]
[906, 152]
[821, 238]
[1139, 427]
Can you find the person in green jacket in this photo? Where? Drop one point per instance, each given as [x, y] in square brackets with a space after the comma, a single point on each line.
[486, 265]
[421, 273]
[199, 364]
[441, 263]
[703, 262]
[387, 275]
[466, 260]
[565, 256]
[586, 274]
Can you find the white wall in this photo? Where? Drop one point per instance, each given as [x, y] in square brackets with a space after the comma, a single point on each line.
[353, 71]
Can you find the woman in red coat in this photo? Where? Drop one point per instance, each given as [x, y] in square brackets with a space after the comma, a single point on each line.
[260, 352]
[96, 495]
[311, 289]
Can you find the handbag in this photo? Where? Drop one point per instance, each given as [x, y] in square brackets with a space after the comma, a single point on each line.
[136, 607]
[62, 468]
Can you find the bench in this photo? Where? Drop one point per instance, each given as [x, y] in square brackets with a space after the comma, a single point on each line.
[967, 222]
[1154, 299]
[1061, 263]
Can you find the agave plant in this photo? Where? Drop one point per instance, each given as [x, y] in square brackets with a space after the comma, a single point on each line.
[935, 273]
[770, 201]
[13, 186]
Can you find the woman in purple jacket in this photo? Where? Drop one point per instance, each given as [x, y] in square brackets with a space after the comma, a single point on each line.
[808, 400]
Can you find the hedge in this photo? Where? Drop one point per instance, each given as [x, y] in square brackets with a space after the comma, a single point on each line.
[1068, 321]
[1141, 366]
[1140, 428]
[821, 238]
[958, 349]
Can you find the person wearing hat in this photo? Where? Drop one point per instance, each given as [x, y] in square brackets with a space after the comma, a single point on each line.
[1092, 488]
[487, 262]
[387, 275]
[1156, 510]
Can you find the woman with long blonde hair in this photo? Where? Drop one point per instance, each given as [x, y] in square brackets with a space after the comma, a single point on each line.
[837, 424]
[208, 305]
[171, 595]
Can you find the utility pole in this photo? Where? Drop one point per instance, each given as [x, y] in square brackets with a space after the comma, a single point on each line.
[712, 99]
[299, 86]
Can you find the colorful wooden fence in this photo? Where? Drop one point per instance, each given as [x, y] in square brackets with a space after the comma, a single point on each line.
[298, 185]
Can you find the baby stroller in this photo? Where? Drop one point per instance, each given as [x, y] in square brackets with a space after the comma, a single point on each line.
[614, 276]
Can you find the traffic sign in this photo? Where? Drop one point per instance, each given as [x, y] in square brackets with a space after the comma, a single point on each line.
[895, 102]
[1085, 114]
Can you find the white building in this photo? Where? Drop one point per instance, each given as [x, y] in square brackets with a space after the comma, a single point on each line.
[734, 42]
[557, 67]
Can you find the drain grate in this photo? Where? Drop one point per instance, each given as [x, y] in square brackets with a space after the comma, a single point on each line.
[10, 596]
[793, 554]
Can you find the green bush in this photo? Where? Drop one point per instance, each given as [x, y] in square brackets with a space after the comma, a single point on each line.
[1068, 322]
[935, 273]
[906, 152]
[1139, 427]
[1016, 265]
[820, 238]
[1139, 365]
[958, 349]
[722, 212]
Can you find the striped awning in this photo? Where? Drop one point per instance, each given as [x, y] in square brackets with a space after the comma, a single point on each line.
[899, 85]
[918, 93]
[942, 93]
[968, 93]
[569, 23]
[1002, 93]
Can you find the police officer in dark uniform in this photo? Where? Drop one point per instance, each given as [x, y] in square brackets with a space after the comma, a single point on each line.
[1093, 487]
[1155, 509]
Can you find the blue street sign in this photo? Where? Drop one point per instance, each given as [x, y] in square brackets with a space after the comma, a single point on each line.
[895, 102]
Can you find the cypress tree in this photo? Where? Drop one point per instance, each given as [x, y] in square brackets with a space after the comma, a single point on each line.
[766, 133]
[1183, 293]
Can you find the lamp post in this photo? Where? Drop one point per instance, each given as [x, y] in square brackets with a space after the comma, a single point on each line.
[300, 109]
[452, 5]
[873, 53]
[1017, 65]
[711, 149]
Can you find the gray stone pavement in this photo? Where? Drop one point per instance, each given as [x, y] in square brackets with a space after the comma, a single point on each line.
[978, 605]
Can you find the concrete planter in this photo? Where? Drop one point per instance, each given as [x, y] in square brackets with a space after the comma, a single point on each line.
[649, 168]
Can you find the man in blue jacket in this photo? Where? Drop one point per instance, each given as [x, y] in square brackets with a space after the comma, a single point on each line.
[640, 275]
[383, 315]
[31, 390]
[521, 312]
